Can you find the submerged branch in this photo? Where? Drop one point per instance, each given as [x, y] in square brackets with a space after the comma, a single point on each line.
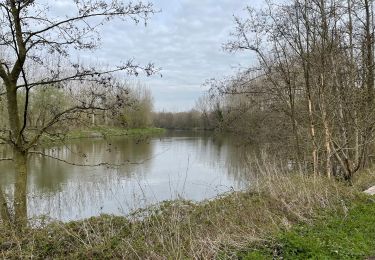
[106, 164]
[6, 159]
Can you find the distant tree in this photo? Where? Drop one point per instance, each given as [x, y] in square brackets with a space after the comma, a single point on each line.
[138, 114]
[36, 48]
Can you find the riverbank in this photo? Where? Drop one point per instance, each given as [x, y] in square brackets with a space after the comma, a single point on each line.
[348, 236]
[289, 216]
[101, 132]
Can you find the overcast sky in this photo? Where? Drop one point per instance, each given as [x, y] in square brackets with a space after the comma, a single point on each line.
[185, 40]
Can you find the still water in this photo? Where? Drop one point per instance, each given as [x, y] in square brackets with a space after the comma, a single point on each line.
[193, 166]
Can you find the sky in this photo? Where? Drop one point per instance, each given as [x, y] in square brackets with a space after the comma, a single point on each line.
[185, 40]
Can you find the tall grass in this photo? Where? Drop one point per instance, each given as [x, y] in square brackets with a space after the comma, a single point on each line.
[211, 229]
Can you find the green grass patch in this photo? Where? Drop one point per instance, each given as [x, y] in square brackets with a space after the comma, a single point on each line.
[332, 236]
[101, 132]
[106, 131]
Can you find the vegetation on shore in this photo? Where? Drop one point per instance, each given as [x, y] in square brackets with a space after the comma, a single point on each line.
[102, 132]
[349, 236]
[282, 215]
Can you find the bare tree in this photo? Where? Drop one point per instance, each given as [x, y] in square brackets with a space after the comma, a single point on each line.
[318, 55]
[29, 34]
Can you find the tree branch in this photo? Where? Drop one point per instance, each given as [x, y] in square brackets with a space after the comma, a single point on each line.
[6, 159]
[106, 164]
[129, 10]
[82, 75]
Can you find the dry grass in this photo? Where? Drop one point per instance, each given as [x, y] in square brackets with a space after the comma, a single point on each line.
[365, 179]
[181, 229]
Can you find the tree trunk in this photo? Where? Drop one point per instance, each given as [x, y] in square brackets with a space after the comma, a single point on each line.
[352, 83]
[291, 95]
[4, 210]
[19, 158]
[305, 56]
[312, 135]
[327, 142]
[20, 191]
[13, 113]
[369, 73]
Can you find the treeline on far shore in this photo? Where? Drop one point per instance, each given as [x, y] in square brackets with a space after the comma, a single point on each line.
[207, 114]
[189, 120]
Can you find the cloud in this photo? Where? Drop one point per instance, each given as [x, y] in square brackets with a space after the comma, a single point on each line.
[185, 39]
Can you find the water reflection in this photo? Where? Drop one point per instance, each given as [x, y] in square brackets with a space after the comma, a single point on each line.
[191, 165]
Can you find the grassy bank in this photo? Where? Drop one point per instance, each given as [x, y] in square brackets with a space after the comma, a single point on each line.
[105, 131]
[102, 132]
[332, 236]
[289, 216]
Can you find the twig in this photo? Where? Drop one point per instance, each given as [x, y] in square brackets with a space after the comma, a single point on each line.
[84, 165]
[99, 164]
[6, 159]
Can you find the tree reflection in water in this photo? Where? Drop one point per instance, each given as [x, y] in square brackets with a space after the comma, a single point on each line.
[191, 165]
